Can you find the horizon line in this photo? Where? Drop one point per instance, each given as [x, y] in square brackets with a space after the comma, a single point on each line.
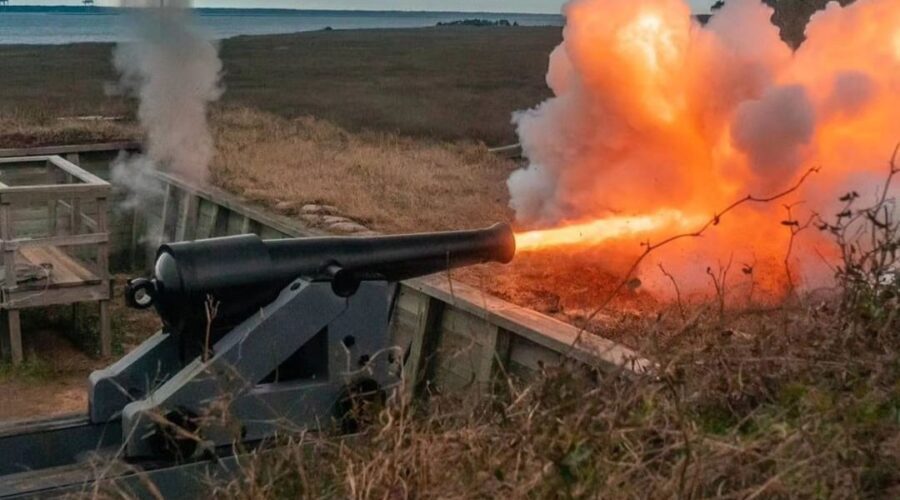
[289, 9]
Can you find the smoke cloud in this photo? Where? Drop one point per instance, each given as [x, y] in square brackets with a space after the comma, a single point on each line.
[174, 72]
[654, 112]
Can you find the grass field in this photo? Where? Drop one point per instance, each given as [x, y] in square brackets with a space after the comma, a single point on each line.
[440, 83]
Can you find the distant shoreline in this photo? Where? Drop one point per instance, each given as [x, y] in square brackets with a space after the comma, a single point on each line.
[80, 9]
[39, 25]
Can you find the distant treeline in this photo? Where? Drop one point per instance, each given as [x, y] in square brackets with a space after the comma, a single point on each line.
[478, 22]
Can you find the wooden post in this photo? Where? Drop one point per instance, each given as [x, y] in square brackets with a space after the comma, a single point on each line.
[105, 330]
[52, 217]
[15, 336]
[213, 218]
[245, 225]
[495, 352]
[7, 233]
[162, 237]
[168, 207]
[425, 337]
[75, 223]
[56, 177]
[4, 336]
[187, 228]
[103, 268]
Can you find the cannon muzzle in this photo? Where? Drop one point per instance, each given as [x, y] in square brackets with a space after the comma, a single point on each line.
[244, 273]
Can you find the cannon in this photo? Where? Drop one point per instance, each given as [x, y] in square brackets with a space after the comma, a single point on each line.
[243, 273]
[259, 337]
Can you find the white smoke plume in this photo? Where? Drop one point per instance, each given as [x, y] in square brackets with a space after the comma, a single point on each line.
[174, 71]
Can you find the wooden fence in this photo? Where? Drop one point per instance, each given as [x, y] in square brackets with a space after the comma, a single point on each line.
[457, 335]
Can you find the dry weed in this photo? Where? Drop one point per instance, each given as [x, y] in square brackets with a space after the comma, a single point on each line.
[385, 181]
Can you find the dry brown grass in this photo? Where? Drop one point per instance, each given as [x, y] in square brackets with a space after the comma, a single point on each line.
[791, 404]
[24, 132]
[388, 182]
[449, 83]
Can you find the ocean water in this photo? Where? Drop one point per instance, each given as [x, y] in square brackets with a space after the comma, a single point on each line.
[55, 25]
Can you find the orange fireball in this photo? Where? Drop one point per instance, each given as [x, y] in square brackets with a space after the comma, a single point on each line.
[658, 123]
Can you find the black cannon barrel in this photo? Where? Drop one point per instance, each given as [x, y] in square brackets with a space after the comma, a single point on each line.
[243, 273]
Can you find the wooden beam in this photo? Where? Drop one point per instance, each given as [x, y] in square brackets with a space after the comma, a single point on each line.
[73, 148]
[538, 328]
[47, 192]
[53, 296]
[76, 171]
[58, 241]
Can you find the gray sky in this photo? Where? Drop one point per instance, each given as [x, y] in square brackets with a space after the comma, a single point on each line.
[544, 6]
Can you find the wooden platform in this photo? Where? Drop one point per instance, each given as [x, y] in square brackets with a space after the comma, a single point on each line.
[64, 270]
[54, 242]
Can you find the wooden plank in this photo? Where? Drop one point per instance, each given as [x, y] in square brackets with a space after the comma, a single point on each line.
[188, 225]
[458, 355]
[419, 368]
[46, 192]
[65, 270]
[531, 356]
[73, 148]
[543, 330]
[490, 355]
[22, 158]
[59, 241]
[220, 223]
[23, 299]
[235, 224]
[76, 171]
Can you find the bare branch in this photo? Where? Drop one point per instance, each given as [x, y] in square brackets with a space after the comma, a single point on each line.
[713, 221]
